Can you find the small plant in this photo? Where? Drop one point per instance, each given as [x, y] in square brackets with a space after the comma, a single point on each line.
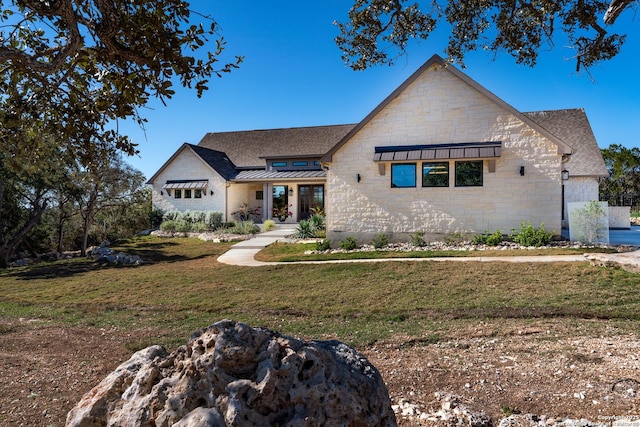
[317, 210]
[348, 244]
[380, 241]
[317, 222]
[268, 225]
[530, 236]
[323, 245]
[282, 212]
[417, 239]
[454, 238]
[244, 227]
[489, 239]
[304, 230]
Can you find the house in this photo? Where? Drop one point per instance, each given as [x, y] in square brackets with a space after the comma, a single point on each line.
[441, 154]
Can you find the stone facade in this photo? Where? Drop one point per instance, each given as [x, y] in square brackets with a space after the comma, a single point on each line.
[578, 189]
[186, 160]
[436, 108]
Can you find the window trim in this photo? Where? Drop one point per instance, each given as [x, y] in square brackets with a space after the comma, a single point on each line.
[415, 169]
[481, 184]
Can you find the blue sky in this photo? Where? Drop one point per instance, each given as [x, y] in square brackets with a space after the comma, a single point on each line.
[293, 75]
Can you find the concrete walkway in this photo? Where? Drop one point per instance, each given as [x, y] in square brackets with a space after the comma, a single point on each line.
[243, 253]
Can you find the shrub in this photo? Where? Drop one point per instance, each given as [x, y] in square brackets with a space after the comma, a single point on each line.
[530, 236]
[268, 225]
[170, 216]
[380, 241]
[198, 216]
[213, 220]
[489, 239]
[323, 245]
[244, 227]
[169, 226]
[183, 226]
[186, 216]
[199, 227]
[349, 244]
[155, 217]
[417, 239]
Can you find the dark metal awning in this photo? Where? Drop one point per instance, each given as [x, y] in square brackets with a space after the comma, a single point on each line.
[186, 183]
[466, 150]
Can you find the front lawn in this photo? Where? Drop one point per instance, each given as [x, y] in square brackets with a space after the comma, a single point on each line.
[184, 288]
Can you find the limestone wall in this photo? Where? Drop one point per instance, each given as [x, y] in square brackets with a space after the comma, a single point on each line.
[189, 166]
[620, 217]
[579, 189]
[439, 108]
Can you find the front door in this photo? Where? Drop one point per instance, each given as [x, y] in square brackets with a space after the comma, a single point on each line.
[310, 197]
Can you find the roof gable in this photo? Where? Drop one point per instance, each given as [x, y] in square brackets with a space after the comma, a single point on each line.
[437, 61]
[216, 160]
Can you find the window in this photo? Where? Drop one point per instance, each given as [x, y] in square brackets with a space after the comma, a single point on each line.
[197, 193]
[187, 194]
[435, 174]
[259, 195]
[403, 175]
[279, 164]
[316, 163]
[300, 163]
[469, 174]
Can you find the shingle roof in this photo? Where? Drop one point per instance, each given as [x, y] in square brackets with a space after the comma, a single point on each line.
[249, 148]
[572, 126]
[217, 160]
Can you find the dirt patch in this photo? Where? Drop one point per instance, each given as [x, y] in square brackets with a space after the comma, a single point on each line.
[546, 368]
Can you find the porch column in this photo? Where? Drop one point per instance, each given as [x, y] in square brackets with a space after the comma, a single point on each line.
[267, 201]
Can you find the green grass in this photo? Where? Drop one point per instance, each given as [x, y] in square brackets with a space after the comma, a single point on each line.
[294, 252]
[183, 288]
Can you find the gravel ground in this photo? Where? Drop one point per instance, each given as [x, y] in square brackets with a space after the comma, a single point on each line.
[554, 368]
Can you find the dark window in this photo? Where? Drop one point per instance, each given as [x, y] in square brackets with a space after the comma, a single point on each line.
[301, 163]
[316, 163]
[469, 174]
[435, 174]
[197, 193]
[177, 194]
[259, 195]
[187, 194]
[279, 164]
[403, 175]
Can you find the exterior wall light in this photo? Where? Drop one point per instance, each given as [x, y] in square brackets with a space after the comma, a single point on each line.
[521, 170]
[358, 177]
[291, 191]
[565, 174]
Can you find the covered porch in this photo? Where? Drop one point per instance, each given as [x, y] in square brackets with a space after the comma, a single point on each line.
[285, 197]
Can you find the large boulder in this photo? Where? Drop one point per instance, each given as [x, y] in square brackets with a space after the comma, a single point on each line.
[231, 374]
